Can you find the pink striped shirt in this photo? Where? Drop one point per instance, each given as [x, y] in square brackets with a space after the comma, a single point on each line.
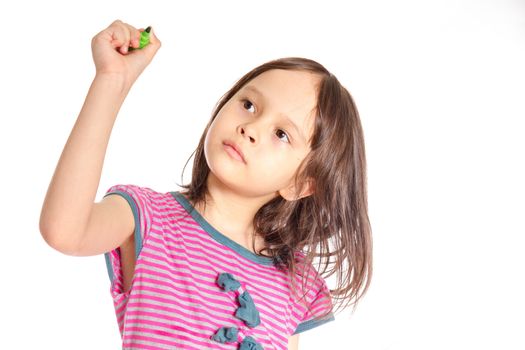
[175, 301]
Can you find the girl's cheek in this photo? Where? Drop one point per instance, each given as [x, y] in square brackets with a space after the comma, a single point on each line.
[278, 144]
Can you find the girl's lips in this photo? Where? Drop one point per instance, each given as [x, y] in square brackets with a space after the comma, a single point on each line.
[232, 152]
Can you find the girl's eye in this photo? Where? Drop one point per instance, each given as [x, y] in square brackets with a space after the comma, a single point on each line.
[280, 131]
[247, 104]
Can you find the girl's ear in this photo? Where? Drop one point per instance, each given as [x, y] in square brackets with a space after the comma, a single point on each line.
[290, 193]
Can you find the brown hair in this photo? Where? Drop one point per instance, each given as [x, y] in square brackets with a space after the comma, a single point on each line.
[332, 223]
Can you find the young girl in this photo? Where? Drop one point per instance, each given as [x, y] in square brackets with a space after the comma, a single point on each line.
[279, 178]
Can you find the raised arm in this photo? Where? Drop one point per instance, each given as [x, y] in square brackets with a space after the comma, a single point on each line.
[71, 193]
[69, 213]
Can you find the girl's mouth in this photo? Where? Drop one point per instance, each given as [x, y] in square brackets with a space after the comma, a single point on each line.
[233, 153]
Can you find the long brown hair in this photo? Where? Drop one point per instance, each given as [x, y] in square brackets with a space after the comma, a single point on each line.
[332, 223]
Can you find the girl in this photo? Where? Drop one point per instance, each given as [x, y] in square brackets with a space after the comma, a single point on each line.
[279, 178]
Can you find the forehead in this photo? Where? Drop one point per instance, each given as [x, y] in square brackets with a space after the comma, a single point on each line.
[293, 86]
[292, 94]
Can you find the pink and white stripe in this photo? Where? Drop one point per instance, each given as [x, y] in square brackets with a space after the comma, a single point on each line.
[175, 302]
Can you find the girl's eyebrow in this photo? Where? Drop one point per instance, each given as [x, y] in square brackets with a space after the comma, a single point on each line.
[287, 118]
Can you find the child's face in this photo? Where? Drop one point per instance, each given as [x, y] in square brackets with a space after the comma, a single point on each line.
[256, 123]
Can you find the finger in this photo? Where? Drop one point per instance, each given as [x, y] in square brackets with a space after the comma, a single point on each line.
[120, 35]
[116, 32]
[134, 36]
[127, 36]
[135, 41]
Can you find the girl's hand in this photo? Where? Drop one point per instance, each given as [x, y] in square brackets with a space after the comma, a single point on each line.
[111, 54]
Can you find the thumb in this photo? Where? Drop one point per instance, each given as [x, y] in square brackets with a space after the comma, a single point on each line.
[141, 58]
[154, 44]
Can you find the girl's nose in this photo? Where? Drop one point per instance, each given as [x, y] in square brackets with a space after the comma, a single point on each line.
[243, 132]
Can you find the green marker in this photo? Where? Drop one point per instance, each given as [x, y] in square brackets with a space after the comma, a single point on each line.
[144, 39]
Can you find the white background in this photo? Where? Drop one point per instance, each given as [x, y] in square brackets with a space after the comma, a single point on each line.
[440, 88]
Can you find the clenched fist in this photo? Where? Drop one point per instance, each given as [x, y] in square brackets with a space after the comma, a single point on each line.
[111, 53]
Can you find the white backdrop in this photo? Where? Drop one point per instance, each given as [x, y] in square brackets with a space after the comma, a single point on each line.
[440, 87]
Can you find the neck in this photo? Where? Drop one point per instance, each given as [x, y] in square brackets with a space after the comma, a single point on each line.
[231, 213]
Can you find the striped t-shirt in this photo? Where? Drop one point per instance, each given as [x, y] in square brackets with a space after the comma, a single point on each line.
[178, 301]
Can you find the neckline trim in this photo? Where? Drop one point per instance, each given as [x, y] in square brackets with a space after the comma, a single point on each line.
[218, 236]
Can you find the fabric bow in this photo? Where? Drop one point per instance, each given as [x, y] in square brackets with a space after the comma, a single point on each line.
[247, 310]
[226, 335]
[228, 282]
[248, 343]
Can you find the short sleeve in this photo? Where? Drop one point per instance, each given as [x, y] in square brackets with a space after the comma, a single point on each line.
[320, 306]
[140, 201]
